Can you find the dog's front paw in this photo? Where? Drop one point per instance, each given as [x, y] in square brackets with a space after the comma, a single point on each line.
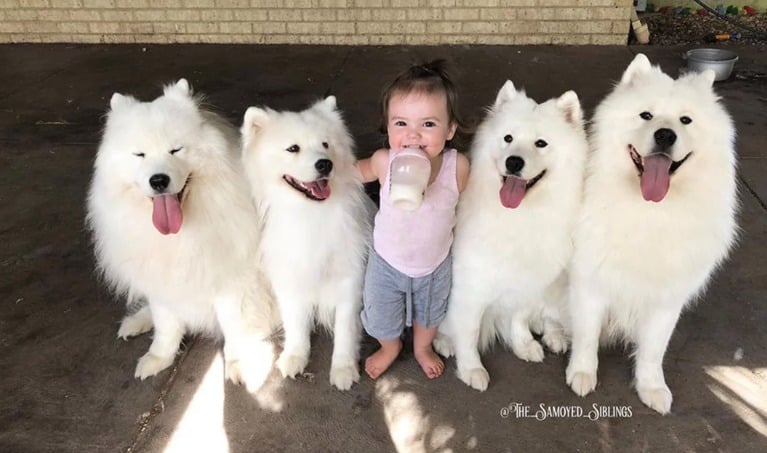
[582, 383]
[476, 378]
[657, 398]
[443, 346]
[529, 351]
[342, 377]
[151, 364]
[134, 325]
[291, 365]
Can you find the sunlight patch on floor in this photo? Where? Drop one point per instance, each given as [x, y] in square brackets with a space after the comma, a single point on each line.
[409, 428]
[201, 428]
[744, 390]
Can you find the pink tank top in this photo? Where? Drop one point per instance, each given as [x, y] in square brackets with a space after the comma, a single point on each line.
[416, 242]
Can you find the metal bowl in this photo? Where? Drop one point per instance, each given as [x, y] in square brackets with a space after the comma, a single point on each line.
[719, 60]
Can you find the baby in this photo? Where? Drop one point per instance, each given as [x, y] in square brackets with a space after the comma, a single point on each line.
[409, 270]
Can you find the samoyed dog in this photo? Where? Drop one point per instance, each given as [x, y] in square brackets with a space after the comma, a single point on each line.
[316, 232]
[513, 231]
[658, 217]
[174, 226]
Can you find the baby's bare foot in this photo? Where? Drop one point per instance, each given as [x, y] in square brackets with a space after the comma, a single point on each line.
[430, 362]
[381, 360]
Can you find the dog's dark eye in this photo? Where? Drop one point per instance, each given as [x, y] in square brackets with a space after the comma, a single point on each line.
[139, 154]
[175, 150]
[685, 120]
[647, 116]
[293, 149]
[540, 143]
[325, 145]
[508, 138]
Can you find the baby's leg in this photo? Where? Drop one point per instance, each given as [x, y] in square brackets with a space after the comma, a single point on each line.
[429, 308]
[382, 313]
[381, 360]
[430, 362]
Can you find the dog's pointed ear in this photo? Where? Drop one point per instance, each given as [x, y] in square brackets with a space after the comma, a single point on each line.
[706, 78]
[183, 85]
[639, 65]
[329, 104]
[180, 88]
[119, 101]
[254, 120]
[505, 94]
[570, 106]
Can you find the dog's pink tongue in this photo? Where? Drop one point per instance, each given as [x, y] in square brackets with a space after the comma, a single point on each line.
[655, 177]
[512, 191]
[167, 215]
[320, 189]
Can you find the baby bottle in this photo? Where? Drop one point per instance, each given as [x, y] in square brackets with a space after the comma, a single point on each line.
[408, 178]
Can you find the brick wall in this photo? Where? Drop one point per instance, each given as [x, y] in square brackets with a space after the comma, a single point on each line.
[353, 22]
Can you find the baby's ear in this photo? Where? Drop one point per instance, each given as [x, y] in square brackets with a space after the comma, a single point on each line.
[452, 130]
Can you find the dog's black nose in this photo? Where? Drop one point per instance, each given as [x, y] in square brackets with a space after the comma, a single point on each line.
[665, 137]
[159, 181]
[324, 166]
[514, 164]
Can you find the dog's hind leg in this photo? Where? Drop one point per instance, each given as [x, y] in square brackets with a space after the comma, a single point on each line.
[521, 340]
[554, 335]
[443, 344]
[136, 324]
[168, 332]
[553, 316]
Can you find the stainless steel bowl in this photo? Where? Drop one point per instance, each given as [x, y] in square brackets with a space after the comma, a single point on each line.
[719, 60]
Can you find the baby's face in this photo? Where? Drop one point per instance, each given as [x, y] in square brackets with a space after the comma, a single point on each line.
[419, 120]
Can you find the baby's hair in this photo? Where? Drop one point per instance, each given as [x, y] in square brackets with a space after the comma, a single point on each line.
[427, 78]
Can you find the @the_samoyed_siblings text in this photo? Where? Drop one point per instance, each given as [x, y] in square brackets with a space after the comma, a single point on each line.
[544, 411]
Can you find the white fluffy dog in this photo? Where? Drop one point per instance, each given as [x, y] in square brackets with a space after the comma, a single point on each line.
[316, 228]
[173, 224]
[658, 217]
[513, 233]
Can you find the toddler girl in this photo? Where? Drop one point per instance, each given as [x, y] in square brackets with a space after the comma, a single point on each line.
[409, 270]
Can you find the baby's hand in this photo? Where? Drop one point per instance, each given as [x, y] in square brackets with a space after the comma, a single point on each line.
[374, 167]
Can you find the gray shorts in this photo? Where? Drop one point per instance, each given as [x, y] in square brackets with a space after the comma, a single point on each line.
[393, 300]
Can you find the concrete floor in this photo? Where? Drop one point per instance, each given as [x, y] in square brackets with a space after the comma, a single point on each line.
[67, 383]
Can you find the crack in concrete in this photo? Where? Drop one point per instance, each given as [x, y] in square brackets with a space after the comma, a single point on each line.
[158, 407]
